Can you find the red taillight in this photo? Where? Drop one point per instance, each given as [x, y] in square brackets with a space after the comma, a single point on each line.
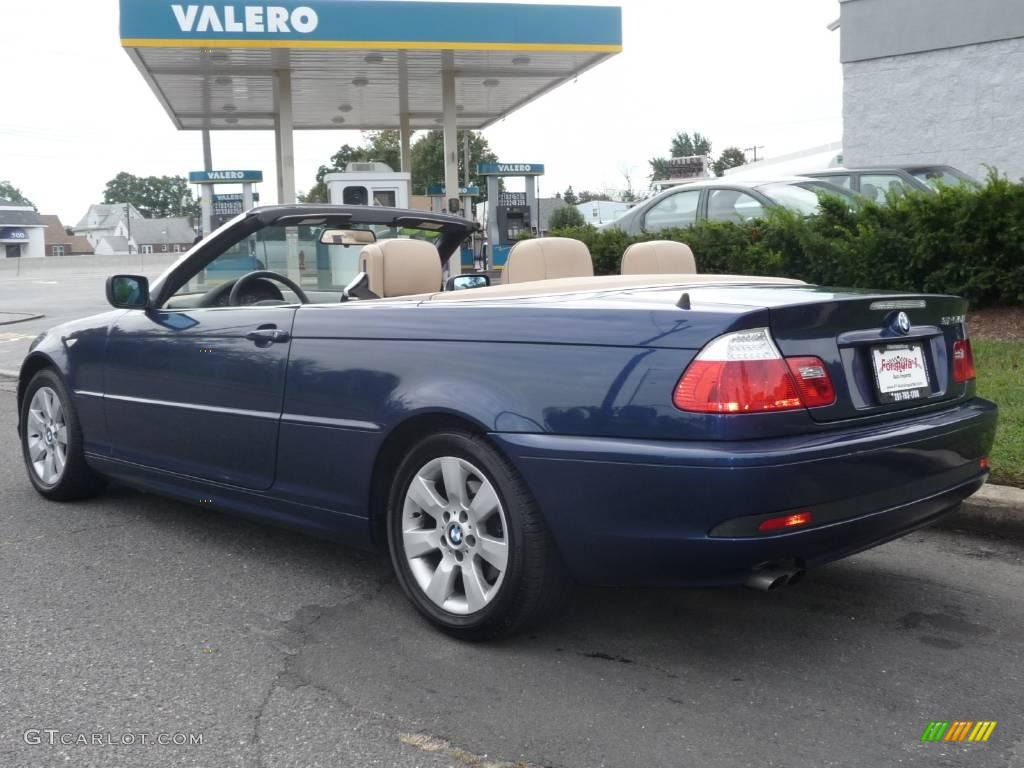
[744, 373]
[963, 361]
[983, 463]
[741, 386]
[787, 521]
[813, 381]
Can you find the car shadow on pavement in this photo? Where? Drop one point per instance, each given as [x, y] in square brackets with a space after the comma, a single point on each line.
[717, 622]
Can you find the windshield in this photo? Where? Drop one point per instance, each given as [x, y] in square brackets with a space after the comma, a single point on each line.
[802, 198]
[295, 251]
[937, 176]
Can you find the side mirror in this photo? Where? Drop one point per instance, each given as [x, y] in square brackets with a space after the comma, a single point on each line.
[128, 291]
[359, 288]
[465, 282]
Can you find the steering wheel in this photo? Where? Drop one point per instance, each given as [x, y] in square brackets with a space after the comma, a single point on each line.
[236, 289]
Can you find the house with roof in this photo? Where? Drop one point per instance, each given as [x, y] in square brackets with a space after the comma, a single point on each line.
[145, 236]
[106, 220]
[58, 242]
[21, 231]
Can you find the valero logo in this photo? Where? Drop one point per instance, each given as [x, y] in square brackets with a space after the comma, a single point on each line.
[958, 730]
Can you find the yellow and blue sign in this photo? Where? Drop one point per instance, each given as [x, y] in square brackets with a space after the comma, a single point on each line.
[397, 24]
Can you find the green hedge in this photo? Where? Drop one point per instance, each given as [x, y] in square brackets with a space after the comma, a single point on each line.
[962, 240]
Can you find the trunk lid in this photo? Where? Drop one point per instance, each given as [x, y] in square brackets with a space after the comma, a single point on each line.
[845, 328]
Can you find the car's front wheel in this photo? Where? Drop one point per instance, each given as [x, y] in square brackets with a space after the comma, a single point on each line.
[51, 441]
[468, 542]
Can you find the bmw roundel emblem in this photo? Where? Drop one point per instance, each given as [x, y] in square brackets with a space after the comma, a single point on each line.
[903, 323]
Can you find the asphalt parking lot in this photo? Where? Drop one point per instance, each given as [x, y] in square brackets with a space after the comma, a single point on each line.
[131, 614]
[59, 289]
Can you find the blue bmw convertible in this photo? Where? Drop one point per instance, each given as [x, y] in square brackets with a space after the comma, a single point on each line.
[659, 427]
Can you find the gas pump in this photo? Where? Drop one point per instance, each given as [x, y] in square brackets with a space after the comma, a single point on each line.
[509, 214]
[472, 249]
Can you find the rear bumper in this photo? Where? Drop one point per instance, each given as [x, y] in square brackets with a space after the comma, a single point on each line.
[660, 512]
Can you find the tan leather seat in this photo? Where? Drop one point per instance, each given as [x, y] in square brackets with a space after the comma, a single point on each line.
[659, 257]
[401, 267]
[545, 258]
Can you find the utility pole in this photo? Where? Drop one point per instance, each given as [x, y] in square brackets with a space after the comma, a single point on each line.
[128, 218]
[754, 151]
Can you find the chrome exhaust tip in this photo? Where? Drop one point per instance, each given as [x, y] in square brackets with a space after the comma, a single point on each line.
[768, 579]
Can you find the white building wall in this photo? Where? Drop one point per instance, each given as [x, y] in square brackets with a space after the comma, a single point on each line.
[35, 248]
[956, 106]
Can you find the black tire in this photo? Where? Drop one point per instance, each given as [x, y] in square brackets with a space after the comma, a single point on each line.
[78, 480]
[535, 583]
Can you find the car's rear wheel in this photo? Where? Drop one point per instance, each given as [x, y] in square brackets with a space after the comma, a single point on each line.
[51, 441]
[467, 540]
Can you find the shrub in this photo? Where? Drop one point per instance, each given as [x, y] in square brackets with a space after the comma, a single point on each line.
[962, 240]
[566, 218]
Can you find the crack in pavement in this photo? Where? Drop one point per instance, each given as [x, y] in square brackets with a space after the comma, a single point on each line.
[300, 626]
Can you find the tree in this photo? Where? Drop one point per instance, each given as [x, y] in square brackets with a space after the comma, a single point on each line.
[731, 157]
[154, 196]
[428, 161]
[570, 196]
[685, 145]
[659, 168]
[11, 193]
[589, 197]
[566, 218]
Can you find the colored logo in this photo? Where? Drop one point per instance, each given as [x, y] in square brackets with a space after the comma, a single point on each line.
[958, 730]
[899, 364]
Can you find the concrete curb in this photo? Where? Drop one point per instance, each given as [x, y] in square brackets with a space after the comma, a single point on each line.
[997, 509]
[19, 317]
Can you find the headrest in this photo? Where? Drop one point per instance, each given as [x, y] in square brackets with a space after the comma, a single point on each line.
[659, 257]
[547, 257]
[401, 267]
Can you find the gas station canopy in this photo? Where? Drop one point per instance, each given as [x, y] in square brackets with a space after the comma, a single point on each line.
[359, 64]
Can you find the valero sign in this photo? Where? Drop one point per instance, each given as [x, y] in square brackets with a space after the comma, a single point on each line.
[510, 169]
[357, 24]
[224, 177]
[246, 18]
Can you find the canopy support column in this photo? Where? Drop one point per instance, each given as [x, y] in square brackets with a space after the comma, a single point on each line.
[404, 131]
[285, 140]
[206, 190]
[451, 145]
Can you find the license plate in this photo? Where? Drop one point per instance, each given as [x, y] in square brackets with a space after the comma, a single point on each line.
[900, 372]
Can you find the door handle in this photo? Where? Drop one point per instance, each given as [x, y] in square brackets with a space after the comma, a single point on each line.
[268, 336]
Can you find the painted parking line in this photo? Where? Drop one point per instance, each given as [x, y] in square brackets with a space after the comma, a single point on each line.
[7, 337]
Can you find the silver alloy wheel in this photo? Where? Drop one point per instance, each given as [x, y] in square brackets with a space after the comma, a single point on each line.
[455, 535]
[46, 435]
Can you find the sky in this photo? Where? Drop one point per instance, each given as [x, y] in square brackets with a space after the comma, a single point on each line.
[75, 110]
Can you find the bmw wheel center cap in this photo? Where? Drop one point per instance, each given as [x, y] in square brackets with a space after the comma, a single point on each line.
[455, 534]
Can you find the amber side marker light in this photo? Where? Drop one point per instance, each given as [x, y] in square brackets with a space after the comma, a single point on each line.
[784, 522]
